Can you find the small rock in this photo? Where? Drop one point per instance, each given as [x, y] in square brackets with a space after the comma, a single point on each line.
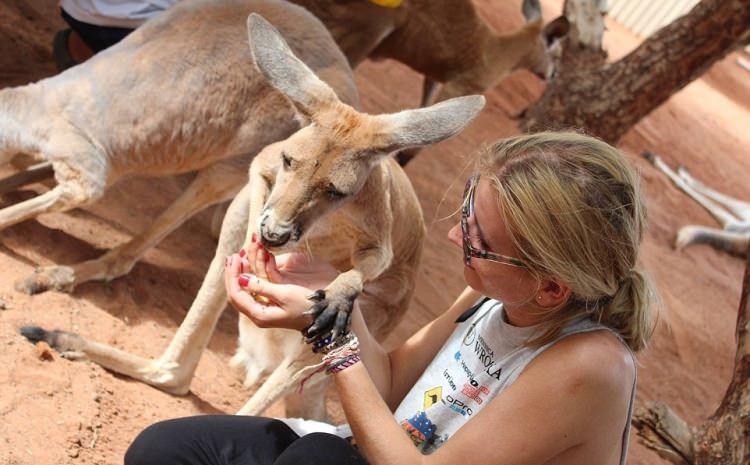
[73, 453]
[44, 352]
[4, 305]
[97, 398]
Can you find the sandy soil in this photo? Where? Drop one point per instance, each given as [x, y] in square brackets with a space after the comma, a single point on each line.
[61, 412]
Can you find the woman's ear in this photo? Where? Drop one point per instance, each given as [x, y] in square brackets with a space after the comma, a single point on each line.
[553, 292]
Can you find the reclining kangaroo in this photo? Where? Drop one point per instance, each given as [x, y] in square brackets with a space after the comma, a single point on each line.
[331, 190]
[732, 214]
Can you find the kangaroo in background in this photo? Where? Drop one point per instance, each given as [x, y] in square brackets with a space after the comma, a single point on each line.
[179, 94]
[732, 214]
[331, 190]
[444, 40]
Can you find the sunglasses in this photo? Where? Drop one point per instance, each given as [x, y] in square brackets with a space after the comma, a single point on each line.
[467, 210]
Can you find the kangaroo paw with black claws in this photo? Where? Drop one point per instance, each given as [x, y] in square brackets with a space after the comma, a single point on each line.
[331, 313]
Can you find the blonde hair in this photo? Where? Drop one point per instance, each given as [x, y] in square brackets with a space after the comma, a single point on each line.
[574, 210]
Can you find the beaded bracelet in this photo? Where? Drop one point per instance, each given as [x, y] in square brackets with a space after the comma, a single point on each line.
[339, 356]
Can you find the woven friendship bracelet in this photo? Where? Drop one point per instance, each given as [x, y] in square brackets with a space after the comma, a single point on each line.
[346, 363]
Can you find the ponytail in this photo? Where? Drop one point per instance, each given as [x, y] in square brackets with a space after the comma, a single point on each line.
[629, 311]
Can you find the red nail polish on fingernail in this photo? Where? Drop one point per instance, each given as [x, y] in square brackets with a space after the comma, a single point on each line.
[242, 253]
[266, 255]
[254, 238]
[243, 280]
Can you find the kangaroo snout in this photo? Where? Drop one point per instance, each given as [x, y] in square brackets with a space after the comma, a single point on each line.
[275, 234]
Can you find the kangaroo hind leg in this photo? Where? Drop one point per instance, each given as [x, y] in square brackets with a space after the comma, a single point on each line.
[723, 216]
[173, 370]
[214, 184]
[283, 381]
[731, 242]
[738, 208]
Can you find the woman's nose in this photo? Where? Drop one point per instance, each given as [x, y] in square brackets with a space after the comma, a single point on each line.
[454, 235]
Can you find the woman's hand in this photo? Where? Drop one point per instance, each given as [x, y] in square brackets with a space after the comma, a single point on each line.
[286, 283]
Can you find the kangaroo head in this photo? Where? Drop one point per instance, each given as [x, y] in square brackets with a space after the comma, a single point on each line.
[325, 164]
[533, 46]
[542, 50]
[545, 47]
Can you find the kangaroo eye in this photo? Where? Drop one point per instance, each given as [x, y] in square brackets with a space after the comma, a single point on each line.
[287, 160]
[334, 193]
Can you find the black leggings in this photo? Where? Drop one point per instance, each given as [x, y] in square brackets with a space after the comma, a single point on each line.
[96, 37]
[236, 440]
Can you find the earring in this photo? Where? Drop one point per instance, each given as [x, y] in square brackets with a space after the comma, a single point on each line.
[539, 298]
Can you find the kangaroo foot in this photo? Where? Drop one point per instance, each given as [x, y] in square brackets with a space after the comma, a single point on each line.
[58, 278]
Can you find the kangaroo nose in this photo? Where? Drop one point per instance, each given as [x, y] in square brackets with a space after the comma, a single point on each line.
[273, 237]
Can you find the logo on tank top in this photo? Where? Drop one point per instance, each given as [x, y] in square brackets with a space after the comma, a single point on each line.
[473, 390]
[484, 353]
[432, 396]
[458, 406]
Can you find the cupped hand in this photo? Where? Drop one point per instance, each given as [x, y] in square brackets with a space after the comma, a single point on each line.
[284, 285]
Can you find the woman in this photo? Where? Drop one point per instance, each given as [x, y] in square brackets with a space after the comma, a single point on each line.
[531, 365]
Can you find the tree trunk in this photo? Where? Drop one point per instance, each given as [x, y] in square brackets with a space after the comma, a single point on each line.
[582, 47]
[723, 439]
[608, 100]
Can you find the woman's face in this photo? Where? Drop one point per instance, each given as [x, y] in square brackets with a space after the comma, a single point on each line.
[513, 285]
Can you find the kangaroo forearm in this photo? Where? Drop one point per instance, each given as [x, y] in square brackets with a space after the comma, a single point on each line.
[371, 262]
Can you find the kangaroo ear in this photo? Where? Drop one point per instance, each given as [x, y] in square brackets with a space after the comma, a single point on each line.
[413, 128]
[556, 30]
[284, 71]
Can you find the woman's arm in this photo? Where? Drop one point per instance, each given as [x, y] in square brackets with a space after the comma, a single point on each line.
[396, 372]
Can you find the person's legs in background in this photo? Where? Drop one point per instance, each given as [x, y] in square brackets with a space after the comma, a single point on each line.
[82, 40]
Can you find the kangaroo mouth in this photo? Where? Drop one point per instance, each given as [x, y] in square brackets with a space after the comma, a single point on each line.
[280, 237]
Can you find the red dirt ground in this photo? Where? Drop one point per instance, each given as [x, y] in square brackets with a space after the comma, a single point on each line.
[60, 412]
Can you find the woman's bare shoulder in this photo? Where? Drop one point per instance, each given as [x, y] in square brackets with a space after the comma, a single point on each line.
[597, 359]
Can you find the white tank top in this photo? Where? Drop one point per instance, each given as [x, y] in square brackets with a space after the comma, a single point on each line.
[115, 13]
[481, 358]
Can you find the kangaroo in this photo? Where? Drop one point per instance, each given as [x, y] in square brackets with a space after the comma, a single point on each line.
[331, 190]
[148, 107]
[732, 214]
[447, 42]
